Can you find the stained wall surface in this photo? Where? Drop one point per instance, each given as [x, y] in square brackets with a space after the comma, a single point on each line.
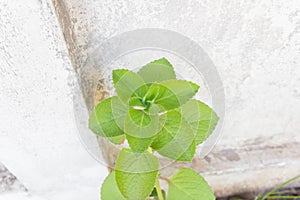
[255, 46]
[39, 140]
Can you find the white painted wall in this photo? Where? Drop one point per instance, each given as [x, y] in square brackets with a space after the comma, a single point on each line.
[255, 47]
[39, 141]
[254, 44]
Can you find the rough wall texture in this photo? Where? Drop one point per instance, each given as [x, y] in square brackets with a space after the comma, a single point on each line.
[255, 46]
[39, 143]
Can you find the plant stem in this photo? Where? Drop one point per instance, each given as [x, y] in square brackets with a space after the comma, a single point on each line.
[158, 190]
[283, 197]
[157, 185]
[150, 150]
[279, 186]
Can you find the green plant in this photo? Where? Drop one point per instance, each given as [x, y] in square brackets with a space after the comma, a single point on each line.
[155, 112]
[276, 194]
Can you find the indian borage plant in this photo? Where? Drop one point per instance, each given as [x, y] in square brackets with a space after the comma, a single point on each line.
[154, 112]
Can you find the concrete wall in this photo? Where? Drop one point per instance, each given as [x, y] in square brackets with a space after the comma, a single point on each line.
[39, 140]
[254, 45]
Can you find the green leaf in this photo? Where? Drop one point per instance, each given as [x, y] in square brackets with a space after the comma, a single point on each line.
[141, 126]
[189, 154]
[107, 117]
[143, 123]
[171, 94]
[201, 118]
[117, 139]
[128, 84]
[169, 130]
[186, 184]
[136, 174]
[136, 101]
[176, 139]
[138, 144]
[157, 71]
[110, 190]
[162, 61]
